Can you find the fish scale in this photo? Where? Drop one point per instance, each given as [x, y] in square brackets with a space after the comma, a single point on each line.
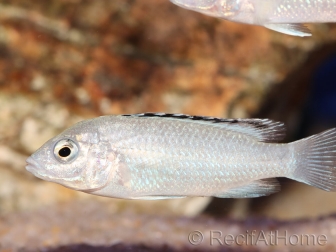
[223, 163]
[288, 11]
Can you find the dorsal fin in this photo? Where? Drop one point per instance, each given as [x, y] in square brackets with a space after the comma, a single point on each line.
[264, 130]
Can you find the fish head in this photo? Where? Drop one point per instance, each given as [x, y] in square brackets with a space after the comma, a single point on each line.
[76, 158]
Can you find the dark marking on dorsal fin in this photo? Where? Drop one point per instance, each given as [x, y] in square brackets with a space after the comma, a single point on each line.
[184, 116]
[264, 130]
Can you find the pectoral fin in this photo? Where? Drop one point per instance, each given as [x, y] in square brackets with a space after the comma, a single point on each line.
[255, 189]
[290, 29]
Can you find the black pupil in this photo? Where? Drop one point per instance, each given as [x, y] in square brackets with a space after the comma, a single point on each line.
[64, 152]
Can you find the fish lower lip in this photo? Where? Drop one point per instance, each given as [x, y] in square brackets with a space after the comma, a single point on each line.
[30, 168]
[32, 165]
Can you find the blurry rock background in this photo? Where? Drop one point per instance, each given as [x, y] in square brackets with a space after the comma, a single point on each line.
[62, 61]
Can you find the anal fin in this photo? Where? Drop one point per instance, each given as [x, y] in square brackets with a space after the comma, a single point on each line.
[290, 29]
[255, 189]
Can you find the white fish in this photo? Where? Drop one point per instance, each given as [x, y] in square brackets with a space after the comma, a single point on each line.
[159, 156]
[285, 16]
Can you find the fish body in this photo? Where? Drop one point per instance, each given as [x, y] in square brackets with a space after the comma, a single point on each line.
[158, 156]
[284, 16]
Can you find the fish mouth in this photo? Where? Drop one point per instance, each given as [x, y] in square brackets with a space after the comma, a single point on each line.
[32, 166]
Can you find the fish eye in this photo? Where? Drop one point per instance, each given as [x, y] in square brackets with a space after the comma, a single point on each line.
[66, 150]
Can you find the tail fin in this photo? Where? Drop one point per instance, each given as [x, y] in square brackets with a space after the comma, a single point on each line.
[316, 160]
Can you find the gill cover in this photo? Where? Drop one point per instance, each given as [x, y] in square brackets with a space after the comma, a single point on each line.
[101, 161]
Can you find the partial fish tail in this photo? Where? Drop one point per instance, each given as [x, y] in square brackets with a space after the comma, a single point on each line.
[316, 160]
